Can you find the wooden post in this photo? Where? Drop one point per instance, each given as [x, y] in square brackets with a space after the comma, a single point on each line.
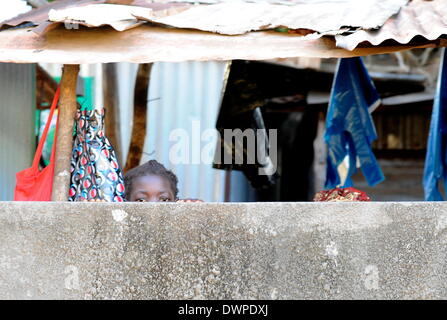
[139, 116]
[64, 137]
[111, 106]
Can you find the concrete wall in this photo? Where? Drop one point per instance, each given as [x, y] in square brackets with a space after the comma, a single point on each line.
[223, 251]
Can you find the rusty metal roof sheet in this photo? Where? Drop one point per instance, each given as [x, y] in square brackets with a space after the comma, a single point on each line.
[322, 17]
[40, 16]
[427, 19]
[119, 17]
[149, 44]
[239, 17]
[173, 38]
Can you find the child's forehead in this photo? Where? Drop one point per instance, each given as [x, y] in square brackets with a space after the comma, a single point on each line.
[152, 180]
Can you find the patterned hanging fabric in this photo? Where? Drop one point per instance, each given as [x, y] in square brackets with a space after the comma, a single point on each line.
[95, 172]
[435, 169]
[341, 194]
[350, 128]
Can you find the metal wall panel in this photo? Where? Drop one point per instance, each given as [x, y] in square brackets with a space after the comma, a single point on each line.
[17, 123]
[182, 96]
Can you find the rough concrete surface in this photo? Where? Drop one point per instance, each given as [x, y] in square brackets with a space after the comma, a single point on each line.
[223, 251]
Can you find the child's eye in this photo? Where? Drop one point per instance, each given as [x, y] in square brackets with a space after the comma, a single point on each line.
[140, 200]
[164, 199]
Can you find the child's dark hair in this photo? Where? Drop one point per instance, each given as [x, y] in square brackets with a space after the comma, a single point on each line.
[152, 167]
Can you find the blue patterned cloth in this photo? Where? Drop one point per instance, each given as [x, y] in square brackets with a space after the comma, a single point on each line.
[350, 129]
[436, 159]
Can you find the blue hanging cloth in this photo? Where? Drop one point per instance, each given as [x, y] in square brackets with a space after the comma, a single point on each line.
[435, 159]
[350, 129]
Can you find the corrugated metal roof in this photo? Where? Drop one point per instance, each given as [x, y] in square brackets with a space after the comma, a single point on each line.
[423, 18]
[241, 17]
[119, 17]
[149, 44]
[40, 15]
[322, 16]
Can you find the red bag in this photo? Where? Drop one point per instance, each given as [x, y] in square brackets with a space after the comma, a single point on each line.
[32, 184]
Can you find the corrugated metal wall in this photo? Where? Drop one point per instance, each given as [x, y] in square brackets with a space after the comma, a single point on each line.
[182, 96]
[126, 84]
[17, 123]
[185, 96]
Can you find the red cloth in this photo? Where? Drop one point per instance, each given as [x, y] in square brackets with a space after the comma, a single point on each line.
[32, 184]
[341, 194]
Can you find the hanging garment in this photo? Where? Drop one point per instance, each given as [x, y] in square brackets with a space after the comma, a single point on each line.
[436, 159]
[240, 110]
[350, 129]
[95, 172]
[33, 184]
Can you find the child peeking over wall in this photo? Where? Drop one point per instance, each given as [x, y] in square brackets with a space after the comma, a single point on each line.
[152, 182]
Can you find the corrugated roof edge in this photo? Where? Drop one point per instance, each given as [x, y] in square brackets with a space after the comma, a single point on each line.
[149, 44]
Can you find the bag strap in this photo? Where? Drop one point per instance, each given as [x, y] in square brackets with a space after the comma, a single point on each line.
[53, 150]
[39, 149]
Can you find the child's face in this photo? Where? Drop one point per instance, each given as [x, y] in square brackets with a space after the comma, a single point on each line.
[151, 188]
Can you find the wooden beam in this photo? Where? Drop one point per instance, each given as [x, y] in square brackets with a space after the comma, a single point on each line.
[111, 106]
[46, 88]
[139, 116]
[64, 136]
